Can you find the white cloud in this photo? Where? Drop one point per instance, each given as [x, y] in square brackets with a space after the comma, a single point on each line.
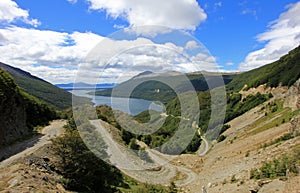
[206, 62]
[178, 14]
[283, 35]
[191, 45]
[229, 64]
[24, 48]
[10, 12]
[56, 56]
[72, 1]
[53, 75]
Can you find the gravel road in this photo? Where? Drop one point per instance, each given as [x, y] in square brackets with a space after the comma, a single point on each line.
[31, 145]
[128, 162]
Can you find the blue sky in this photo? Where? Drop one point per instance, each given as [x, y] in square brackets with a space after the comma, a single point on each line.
[50, 38]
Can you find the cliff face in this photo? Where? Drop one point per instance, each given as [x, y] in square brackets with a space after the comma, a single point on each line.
[12, 111]
[293, 96]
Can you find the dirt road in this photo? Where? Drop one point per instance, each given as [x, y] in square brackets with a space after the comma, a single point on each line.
[31, 145]
[132, 165]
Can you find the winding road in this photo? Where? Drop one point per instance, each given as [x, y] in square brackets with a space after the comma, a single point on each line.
[205, 144]
[129, 163]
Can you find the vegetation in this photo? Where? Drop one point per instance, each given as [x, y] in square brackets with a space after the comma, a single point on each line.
[278, 167]
[20, 111]
[38, 113]
[285, 137]
[275, 114]
[44, 91]
[285, 71]
[155, 90]
[106, 114]
[237, 106]
[287, 66]
[84, 171]
[221, 138]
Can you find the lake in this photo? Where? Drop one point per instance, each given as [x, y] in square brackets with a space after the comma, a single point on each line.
[130, 106]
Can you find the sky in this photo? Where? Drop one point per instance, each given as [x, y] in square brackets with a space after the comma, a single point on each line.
[61, 40]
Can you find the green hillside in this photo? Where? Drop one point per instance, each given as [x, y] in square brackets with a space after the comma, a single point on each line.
[285, 71]
[39, 88]
[152, 88]
[19, 111]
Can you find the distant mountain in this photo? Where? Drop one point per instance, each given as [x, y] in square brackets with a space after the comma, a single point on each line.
[82, 85]
[149, 86]
[40, 88]
[285, 71]
[142, 74]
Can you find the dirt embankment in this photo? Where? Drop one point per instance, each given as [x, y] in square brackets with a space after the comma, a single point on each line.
[31, 170]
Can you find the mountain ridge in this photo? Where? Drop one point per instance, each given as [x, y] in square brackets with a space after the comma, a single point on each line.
[41, 89]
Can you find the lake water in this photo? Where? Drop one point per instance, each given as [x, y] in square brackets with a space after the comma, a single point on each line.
[130, 106]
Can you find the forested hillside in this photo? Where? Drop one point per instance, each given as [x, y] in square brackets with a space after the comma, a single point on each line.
[154, 87]
[285, 71]
[48, 93]
[19, 111]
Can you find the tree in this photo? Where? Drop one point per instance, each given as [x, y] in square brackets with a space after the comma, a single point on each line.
[82, 170]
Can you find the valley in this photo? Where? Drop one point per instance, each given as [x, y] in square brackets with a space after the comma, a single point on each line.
[254, 147]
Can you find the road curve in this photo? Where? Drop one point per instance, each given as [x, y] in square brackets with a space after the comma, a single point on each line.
[206, 145]
[133, 166]
[35, 143]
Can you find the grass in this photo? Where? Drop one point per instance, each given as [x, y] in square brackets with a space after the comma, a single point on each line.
[278, 140]
[285, 115]
[275, 115]
[278, 168]
[134, 186]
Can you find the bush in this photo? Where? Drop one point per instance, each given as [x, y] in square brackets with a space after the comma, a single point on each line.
[221, 138]
[81, 169]
[277, 168]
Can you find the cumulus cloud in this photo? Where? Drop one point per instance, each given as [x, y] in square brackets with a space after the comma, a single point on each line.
[27, 47]
[10, 12]
[178, 14]
[53, 75]
[191, 45]
[205, 61]
[283, 35]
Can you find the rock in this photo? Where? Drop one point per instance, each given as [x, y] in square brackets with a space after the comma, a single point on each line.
[273, 186]
[295, 126]
[293, 96]
[13, 183]
[209, 185]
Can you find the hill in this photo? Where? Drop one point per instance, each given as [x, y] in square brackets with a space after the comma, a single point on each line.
[41, 89]
[150, 86]
[283, 72]
[19, 111]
